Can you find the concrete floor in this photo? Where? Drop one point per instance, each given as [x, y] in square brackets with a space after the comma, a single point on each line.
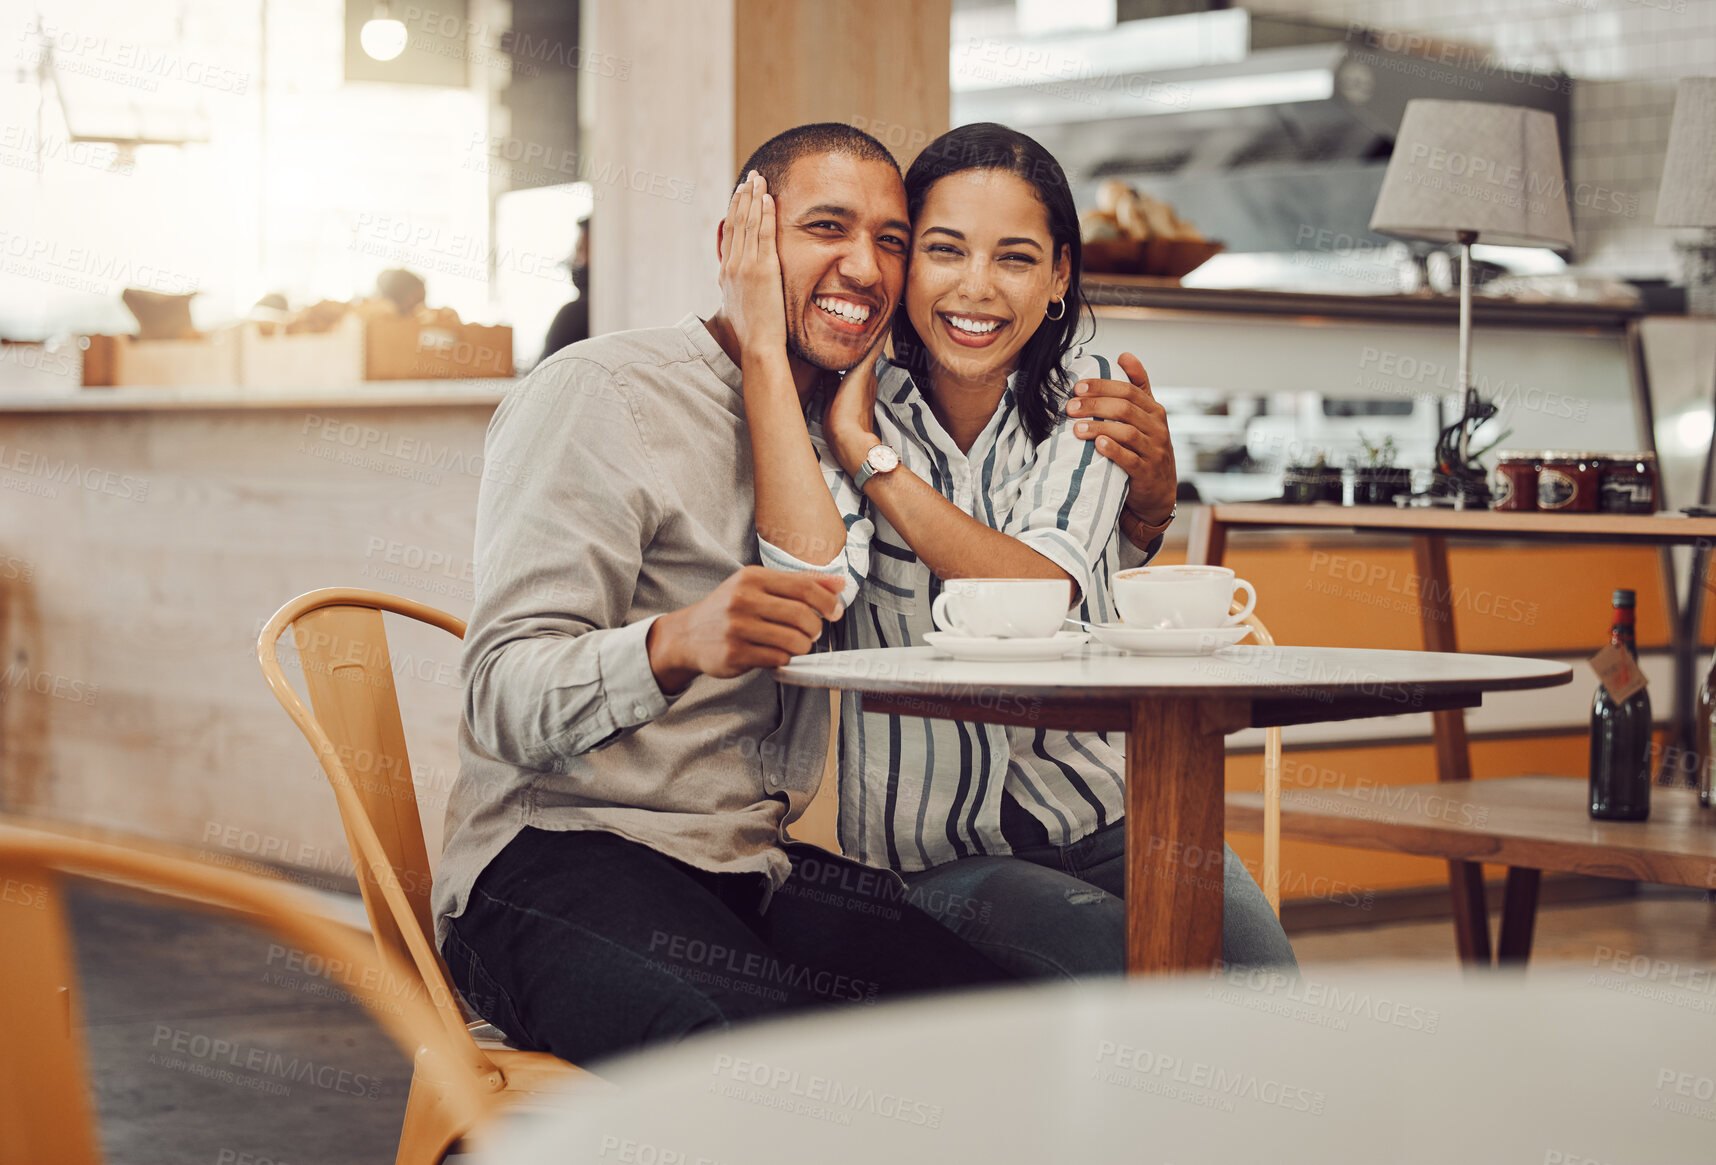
[161, 987]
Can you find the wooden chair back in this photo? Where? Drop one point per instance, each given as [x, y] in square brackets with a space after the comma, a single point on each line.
[46, 1111]
[354, 726]
[1271, 785]
[819, 824]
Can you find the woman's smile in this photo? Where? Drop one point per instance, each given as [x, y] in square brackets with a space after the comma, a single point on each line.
[971, 329]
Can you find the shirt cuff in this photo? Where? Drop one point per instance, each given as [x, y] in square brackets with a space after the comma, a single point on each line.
[1063, 550]
[1131, 557]
[628, 683]
[857, 542]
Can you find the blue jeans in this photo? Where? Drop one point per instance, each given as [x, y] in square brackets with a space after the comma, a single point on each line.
[1059, 912]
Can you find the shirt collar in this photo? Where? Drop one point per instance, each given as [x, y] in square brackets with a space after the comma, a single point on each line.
[703, 342]
[898, 393]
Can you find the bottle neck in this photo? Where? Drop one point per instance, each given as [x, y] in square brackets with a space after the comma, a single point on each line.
[1621, 632]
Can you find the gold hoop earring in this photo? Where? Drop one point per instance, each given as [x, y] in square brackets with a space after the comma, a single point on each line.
[1062, 304]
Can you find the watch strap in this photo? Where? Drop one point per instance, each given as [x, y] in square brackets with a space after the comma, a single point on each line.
[1158, 531]
[866, 471]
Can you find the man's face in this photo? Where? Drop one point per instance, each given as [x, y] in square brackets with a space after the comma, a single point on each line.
[843, 238]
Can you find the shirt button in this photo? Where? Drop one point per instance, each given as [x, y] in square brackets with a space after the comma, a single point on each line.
[641, 711]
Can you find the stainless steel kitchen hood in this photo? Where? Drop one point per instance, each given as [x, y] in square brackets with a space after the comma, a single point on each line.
[1260, 127]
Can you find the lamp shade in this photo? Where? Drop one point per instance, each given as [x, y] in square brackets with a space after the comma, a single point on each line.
[1475, 166]
[1688, 194]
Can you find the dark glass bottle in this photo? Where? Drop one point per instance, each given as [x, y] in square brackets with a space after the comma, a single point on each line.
[1620, 737]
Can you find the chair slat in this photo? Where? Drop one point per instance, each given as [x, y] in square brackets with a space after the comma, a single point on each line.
[1271, 787]
[349, 675]
[45, 1109]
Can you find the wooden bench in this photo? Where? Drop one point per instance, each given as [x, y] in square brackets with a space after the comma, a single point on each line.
[1429, 530]
[1528, 824]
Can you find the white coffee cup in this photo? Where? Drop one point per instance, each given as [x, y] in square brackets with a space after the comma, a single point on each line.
[1169, 597]
[1003, 608]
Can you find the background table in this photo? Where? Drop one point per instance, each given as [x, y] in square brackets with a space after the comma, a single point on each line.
[1524, 823]
[1175, 711]
[1408, 1070]
[1430, 528]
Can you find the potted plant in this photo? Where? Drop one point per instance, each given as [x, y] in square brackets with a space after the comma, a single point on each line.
[1376, 479]
[1313, 481]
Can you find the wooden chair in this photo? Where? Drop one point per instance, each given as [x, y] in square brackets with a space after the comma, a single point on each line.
[1271, 785]
[819, 824]
[342, 647]
[46, 1111]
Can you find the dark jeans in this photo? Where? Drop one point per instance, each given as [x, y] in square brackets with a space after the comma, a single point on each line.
[584, 944]
[1060, 912]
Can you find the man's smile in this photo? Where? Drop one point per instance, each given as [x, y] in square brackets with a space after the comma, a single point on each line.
[843, 314]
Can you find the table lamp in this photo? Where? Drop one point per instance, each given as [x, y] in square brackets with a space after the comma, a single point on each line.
[1462, 170]
[1687, 197]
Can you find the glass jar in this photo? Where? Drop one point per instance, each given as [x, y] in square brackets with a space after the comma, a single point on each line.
[1627, 484]
[1568, 481]
[1516, 480]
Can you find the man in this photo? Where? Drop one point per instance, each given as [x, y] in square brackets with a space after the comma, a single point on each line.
[615, 871]
[572, 322]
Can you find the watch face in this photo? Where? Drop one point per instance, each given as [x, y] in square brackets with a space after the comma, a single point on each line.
[883, 458]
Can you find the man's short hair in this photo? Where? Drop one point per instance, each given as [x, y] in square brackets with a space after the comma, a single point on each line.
[774, 158]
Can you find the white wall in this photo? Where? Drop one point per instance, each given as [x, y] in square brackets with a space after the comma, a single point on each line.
[660, 142]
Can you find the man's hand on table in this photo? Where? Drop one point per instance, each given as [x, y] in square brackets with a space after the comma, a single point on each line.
[1130, 428]
[757, 618]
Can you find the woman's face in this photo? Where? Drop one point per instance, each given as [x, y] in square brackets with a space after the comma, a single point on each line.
[984, 272]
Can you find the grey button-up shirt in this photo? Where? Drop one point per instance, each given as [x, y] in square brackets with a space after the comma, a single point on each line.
[618, 487]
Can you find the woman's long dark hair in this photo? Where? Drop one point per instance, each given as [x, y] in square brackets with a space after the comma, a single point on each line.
[1042, 382]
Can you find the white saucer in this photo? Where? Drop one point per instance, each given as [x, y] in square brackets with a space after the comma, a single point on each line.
[990, 649]
[1173, 641]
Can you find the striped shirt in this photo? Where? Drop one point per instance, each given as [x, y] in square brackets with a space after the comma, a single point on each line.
[917, 792]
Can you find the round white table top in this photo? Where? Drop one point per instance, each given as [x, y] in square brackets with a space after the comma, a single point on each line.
[1606, 1065]
[1097, 672]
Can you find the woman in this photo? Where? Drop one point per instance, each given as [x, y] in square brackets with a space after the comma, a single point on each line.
[1021, 826]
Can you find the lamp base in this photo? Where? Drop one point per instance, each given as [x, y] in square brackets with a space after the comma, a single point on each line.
[1466, 488]
[1698, 261]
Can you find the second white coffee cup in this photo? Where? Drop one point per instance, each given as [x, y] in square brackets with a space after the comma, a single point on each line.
[1178, 597]
[1003, 608]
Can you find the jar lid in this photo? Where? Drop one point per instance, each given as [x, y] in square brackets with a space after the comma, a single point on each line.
[1561, 455]
[1516, 455]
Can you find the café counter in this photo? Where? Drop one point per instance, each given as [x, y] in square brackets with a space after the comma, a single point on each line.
[145, 536]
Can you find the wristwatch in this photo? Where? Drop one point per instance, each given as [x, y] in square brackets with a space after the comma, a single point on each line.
[880, 459]
[1158, 531]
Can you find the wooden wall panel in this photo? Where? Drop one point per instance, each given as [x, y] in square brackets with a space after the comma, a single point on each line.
[881, 65]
